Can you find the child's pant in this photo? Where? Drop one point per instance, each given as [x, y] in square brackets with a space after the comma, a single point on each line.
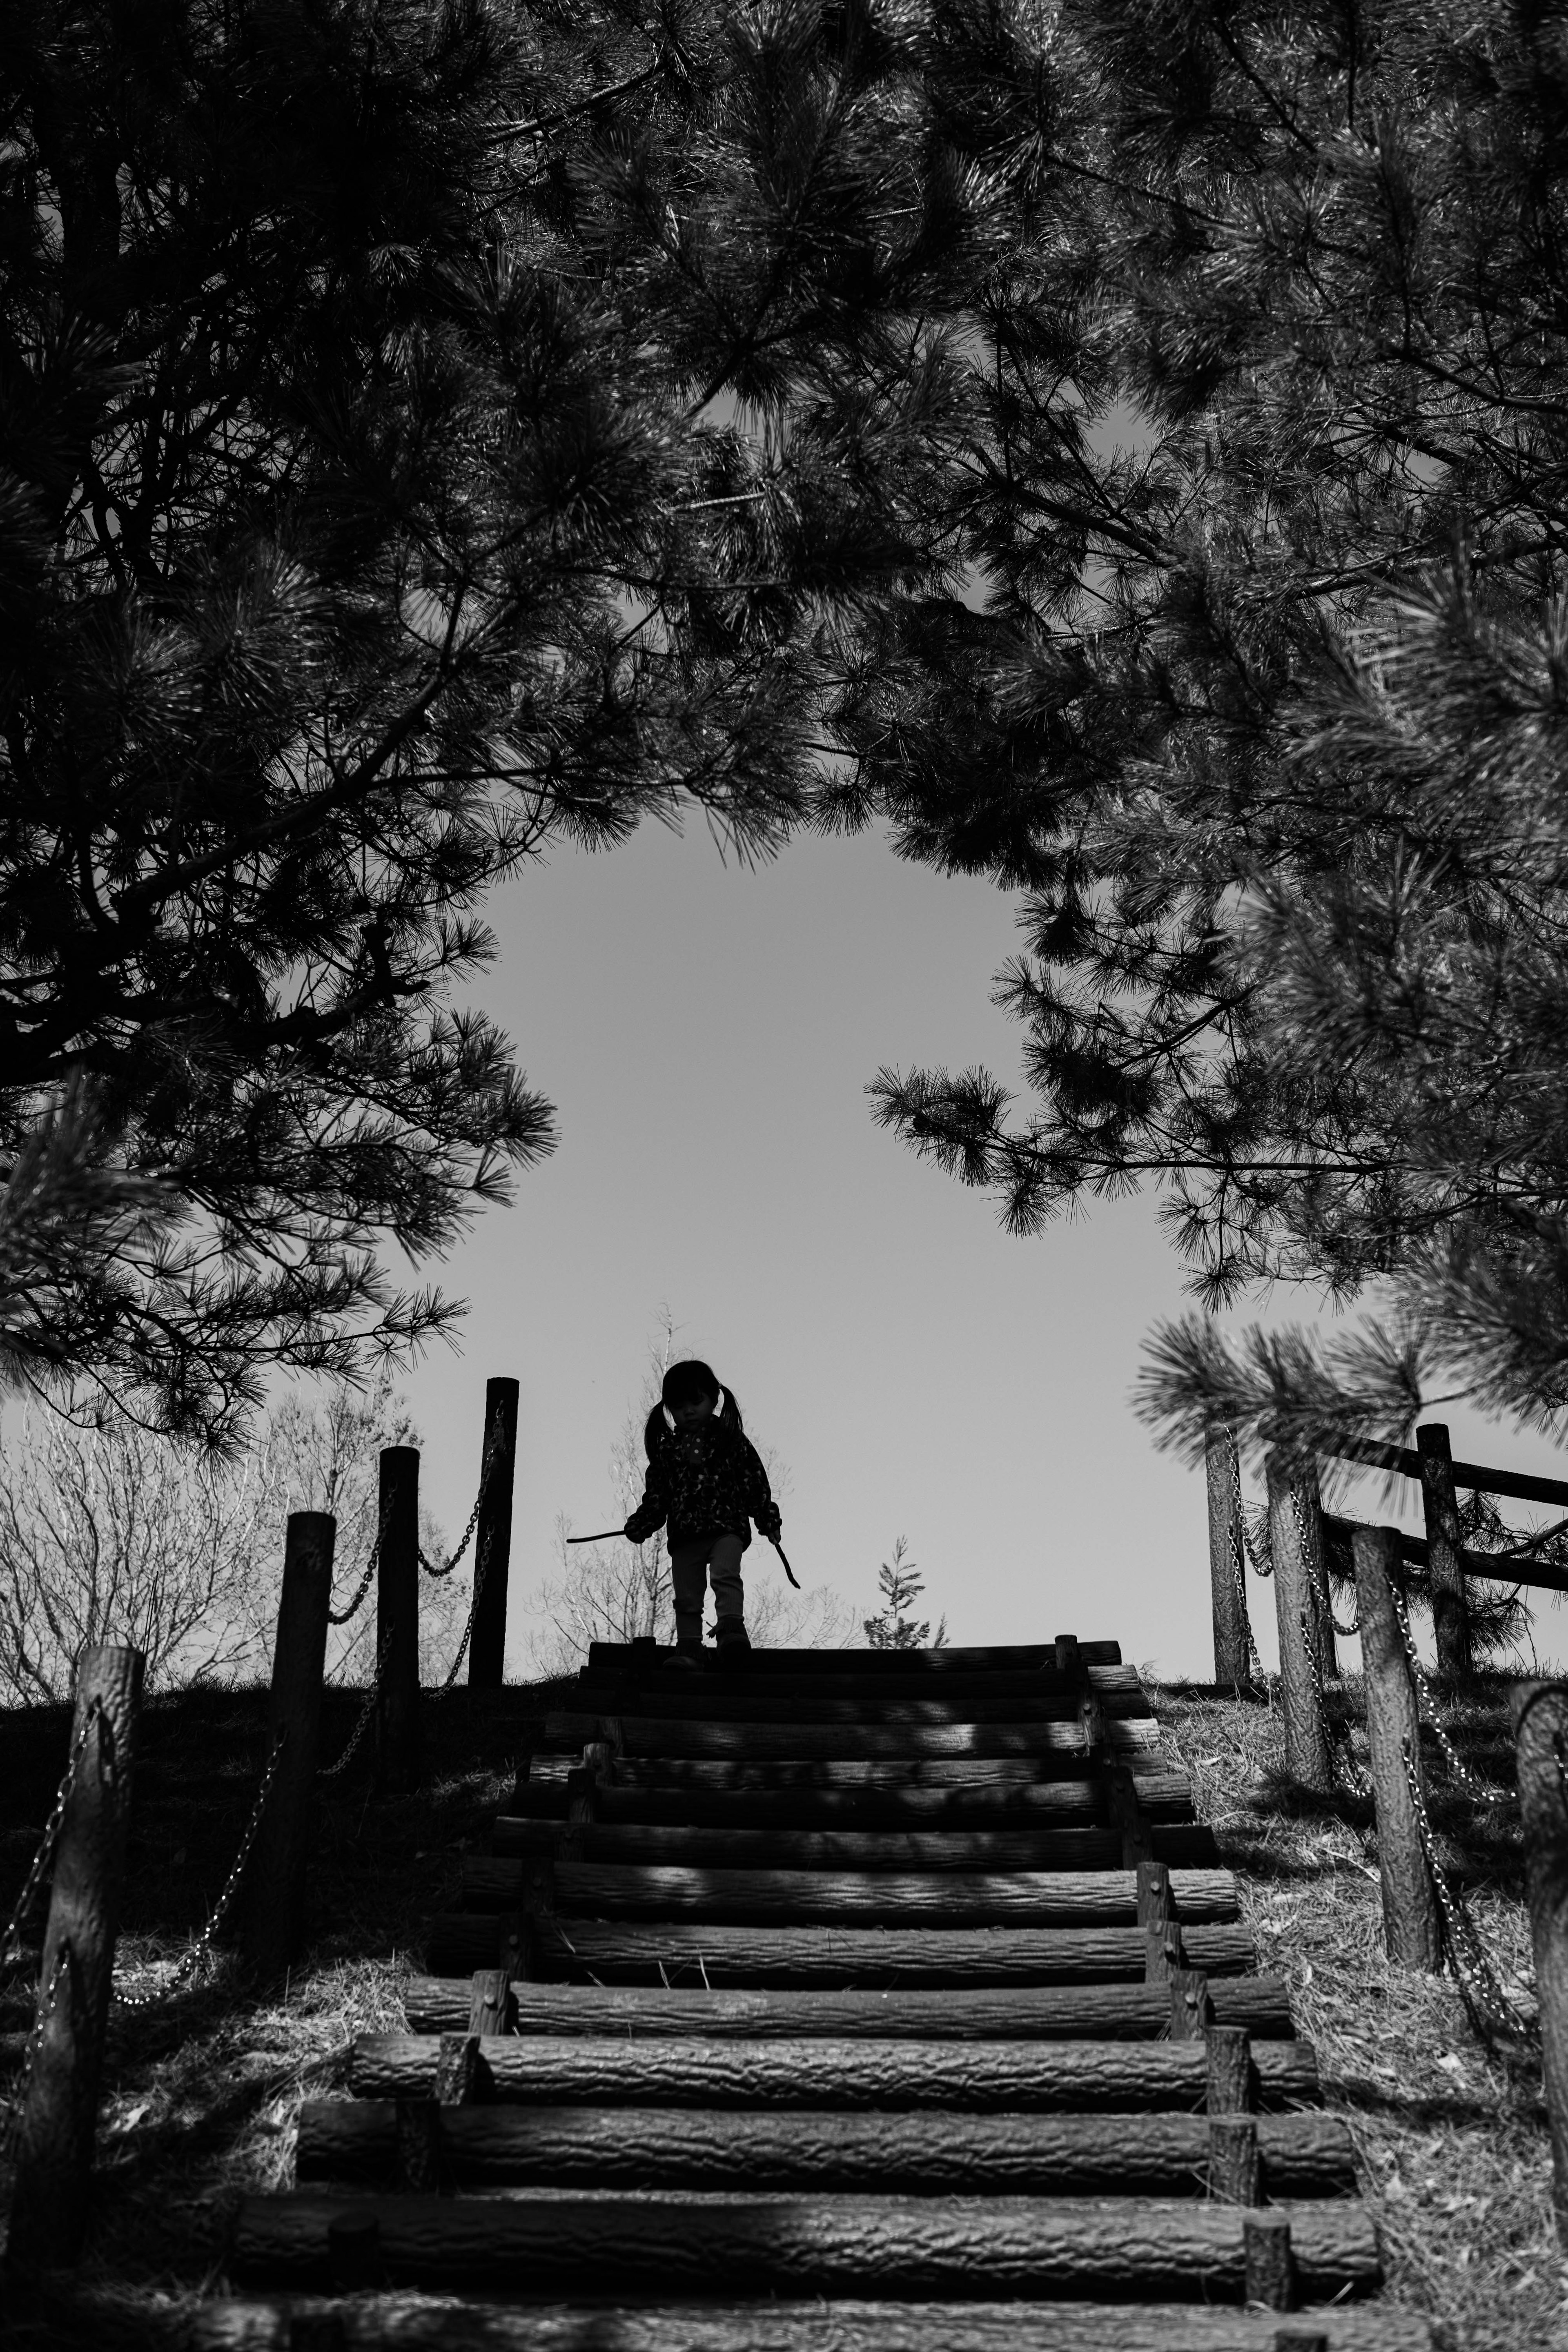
[690, 1565]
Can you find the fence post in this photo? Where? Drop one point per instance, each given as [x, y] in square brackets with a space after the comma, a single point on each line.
[1307, 1757]
[1227, 1586]
[397, 1757]
[492, 1540]
[54, 2149]
[1450, 1602]
[1540, 1746]
[275, 1896]
[1411, 1924]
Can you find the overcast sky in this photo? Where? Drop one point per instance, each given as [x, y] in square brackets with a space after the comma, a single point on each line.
[707, 1033]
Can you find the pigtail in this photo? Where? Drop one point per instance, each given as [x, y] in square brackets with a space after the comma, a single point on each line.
[729, 1412]
[656, 1429]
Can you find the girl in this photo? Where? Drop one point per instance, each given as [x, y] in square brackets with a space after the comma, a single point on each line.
[704, 1476]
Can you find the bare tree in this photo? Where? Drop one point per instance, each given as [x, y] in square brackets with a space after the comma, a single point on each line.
[109, 1533]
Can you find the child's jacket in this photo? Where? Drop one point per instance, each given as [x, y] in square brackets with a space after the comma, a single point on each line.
[705, 1482]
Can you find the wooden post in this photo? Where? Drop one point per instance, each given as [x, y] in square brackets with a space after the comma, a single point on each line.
[274, 1916]
[1227, 1586]
[1234, 2173]
[492, 1540]
[1450, 1602]
[1307, 1755]
[491, 2008]
[1128, 1816]
[1230, 2079]
[1270, 2273]
[397, 1757]
[1192, 2012]
[1541, 1746]
[54, 2147]
[1411, 1924]
[1068, 1665]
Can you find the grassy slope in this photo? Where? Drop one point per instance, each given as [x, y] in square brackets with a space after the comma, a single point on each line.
[201, 2092]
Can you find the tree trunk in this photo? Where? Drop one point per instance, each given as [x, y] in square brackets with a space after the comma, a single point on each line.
[1410, 1923]
[1307, 1755]
[492, 1538]
[1540, 1735]
[1228, 1576]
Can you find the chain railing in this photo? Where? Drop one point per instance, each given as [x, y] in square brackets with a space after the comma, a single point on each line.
[1346, 1767]
[480, 1563]
[1481, 1989]
[191, 1960]
[342, 1616]
[331, 1771]
[492, 1447]
[37, 1869]
[41, 2015]
[1428, 1705]
[1239, 1545]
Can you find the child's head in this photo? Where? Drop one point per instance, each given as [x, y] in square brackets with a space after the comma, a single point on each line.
[690, 1397]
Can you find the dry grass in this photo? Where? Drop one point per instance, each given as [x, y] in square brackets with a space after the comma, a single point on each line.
[1455, 2156]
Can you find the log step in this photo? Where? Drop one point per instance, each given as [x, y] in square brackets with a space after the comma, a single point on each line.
[955, 2246]
[648, 1735]
[1188, 1846]
[635, 1952]
[1016, 1657]
[407, 2322]
[355, 2143]
[1061, 1768]
[1023, 2077]
[1055, 1899]
[1000, 1805]
[727, 1697]
[1119, 2012]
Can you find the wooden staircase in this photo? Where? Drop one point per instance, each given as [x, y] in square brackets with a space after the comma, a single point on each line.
[859, 2001]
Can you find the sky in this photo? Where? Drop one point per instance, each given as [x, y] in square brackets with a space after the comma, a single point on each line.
[706, 1033]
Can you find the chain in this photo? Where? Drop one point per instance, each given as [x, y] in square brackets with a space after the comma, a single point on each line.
[41, 2016]
[342, 1616]
[1490, 2010]
[1235, 1528]
[1347, 1768]
[491, 1450]
[480, 1564]
[10, 1945]
[331, 1771]
[199, 1950]
[1428, 1705]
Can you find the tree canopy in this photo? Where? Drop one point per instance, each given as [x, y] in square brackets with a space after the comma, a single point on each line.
[425, 432]
[1259, 692]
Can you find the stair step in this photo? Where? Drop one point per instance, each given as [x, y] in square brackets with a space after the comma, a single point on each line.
[958, 2246]
[1165, 1796]
[1190, 1845]
[408, 2324]
[636, 1952]
[1054, 1898]
[355, 2143]
[648, 1735]
[640, 2069]
[1116, 2011]
[722, 1695]
[1061, 1768]
[1018, 1657]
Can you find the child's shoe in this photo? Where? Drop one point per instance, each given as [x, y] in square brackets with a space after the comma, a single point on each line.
[734, 1641]
[688, 1655]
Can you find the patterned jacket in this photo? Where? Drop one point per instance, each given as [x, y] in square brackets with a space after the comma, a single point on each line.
[705, 1482]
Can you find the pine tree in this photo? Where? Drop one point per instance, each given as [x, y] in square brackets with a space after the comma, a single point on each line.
[1266, 717]
[427, 431]
[894, 1626]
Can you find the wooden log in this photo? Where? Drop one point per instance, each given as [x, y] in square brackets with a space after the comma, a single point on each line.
[1232, 2076]
[847, 1777]
[826, 2245]
[273, 1920]
[670, 1736]
[742, 2151]
[418, 2161]
[398, 1763]
[1019, 1657]
[647, 1952]
[58, 2119]
[1541, 1745]
[1039, 1898]
[491, 2009]
[1190, 2010]
[990, 1698]
[1227, 1577]
[1165, 1798]
[407, 2322]
[492, 1536]
[1070, 1663]
[592, 2068]
[353, 2264]
[1237, 2145]
[1412, 1927]
[1445, 1568]
[1057, 1847]
[1270, 2266]
[1052, 2012]
[1306, 1755]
